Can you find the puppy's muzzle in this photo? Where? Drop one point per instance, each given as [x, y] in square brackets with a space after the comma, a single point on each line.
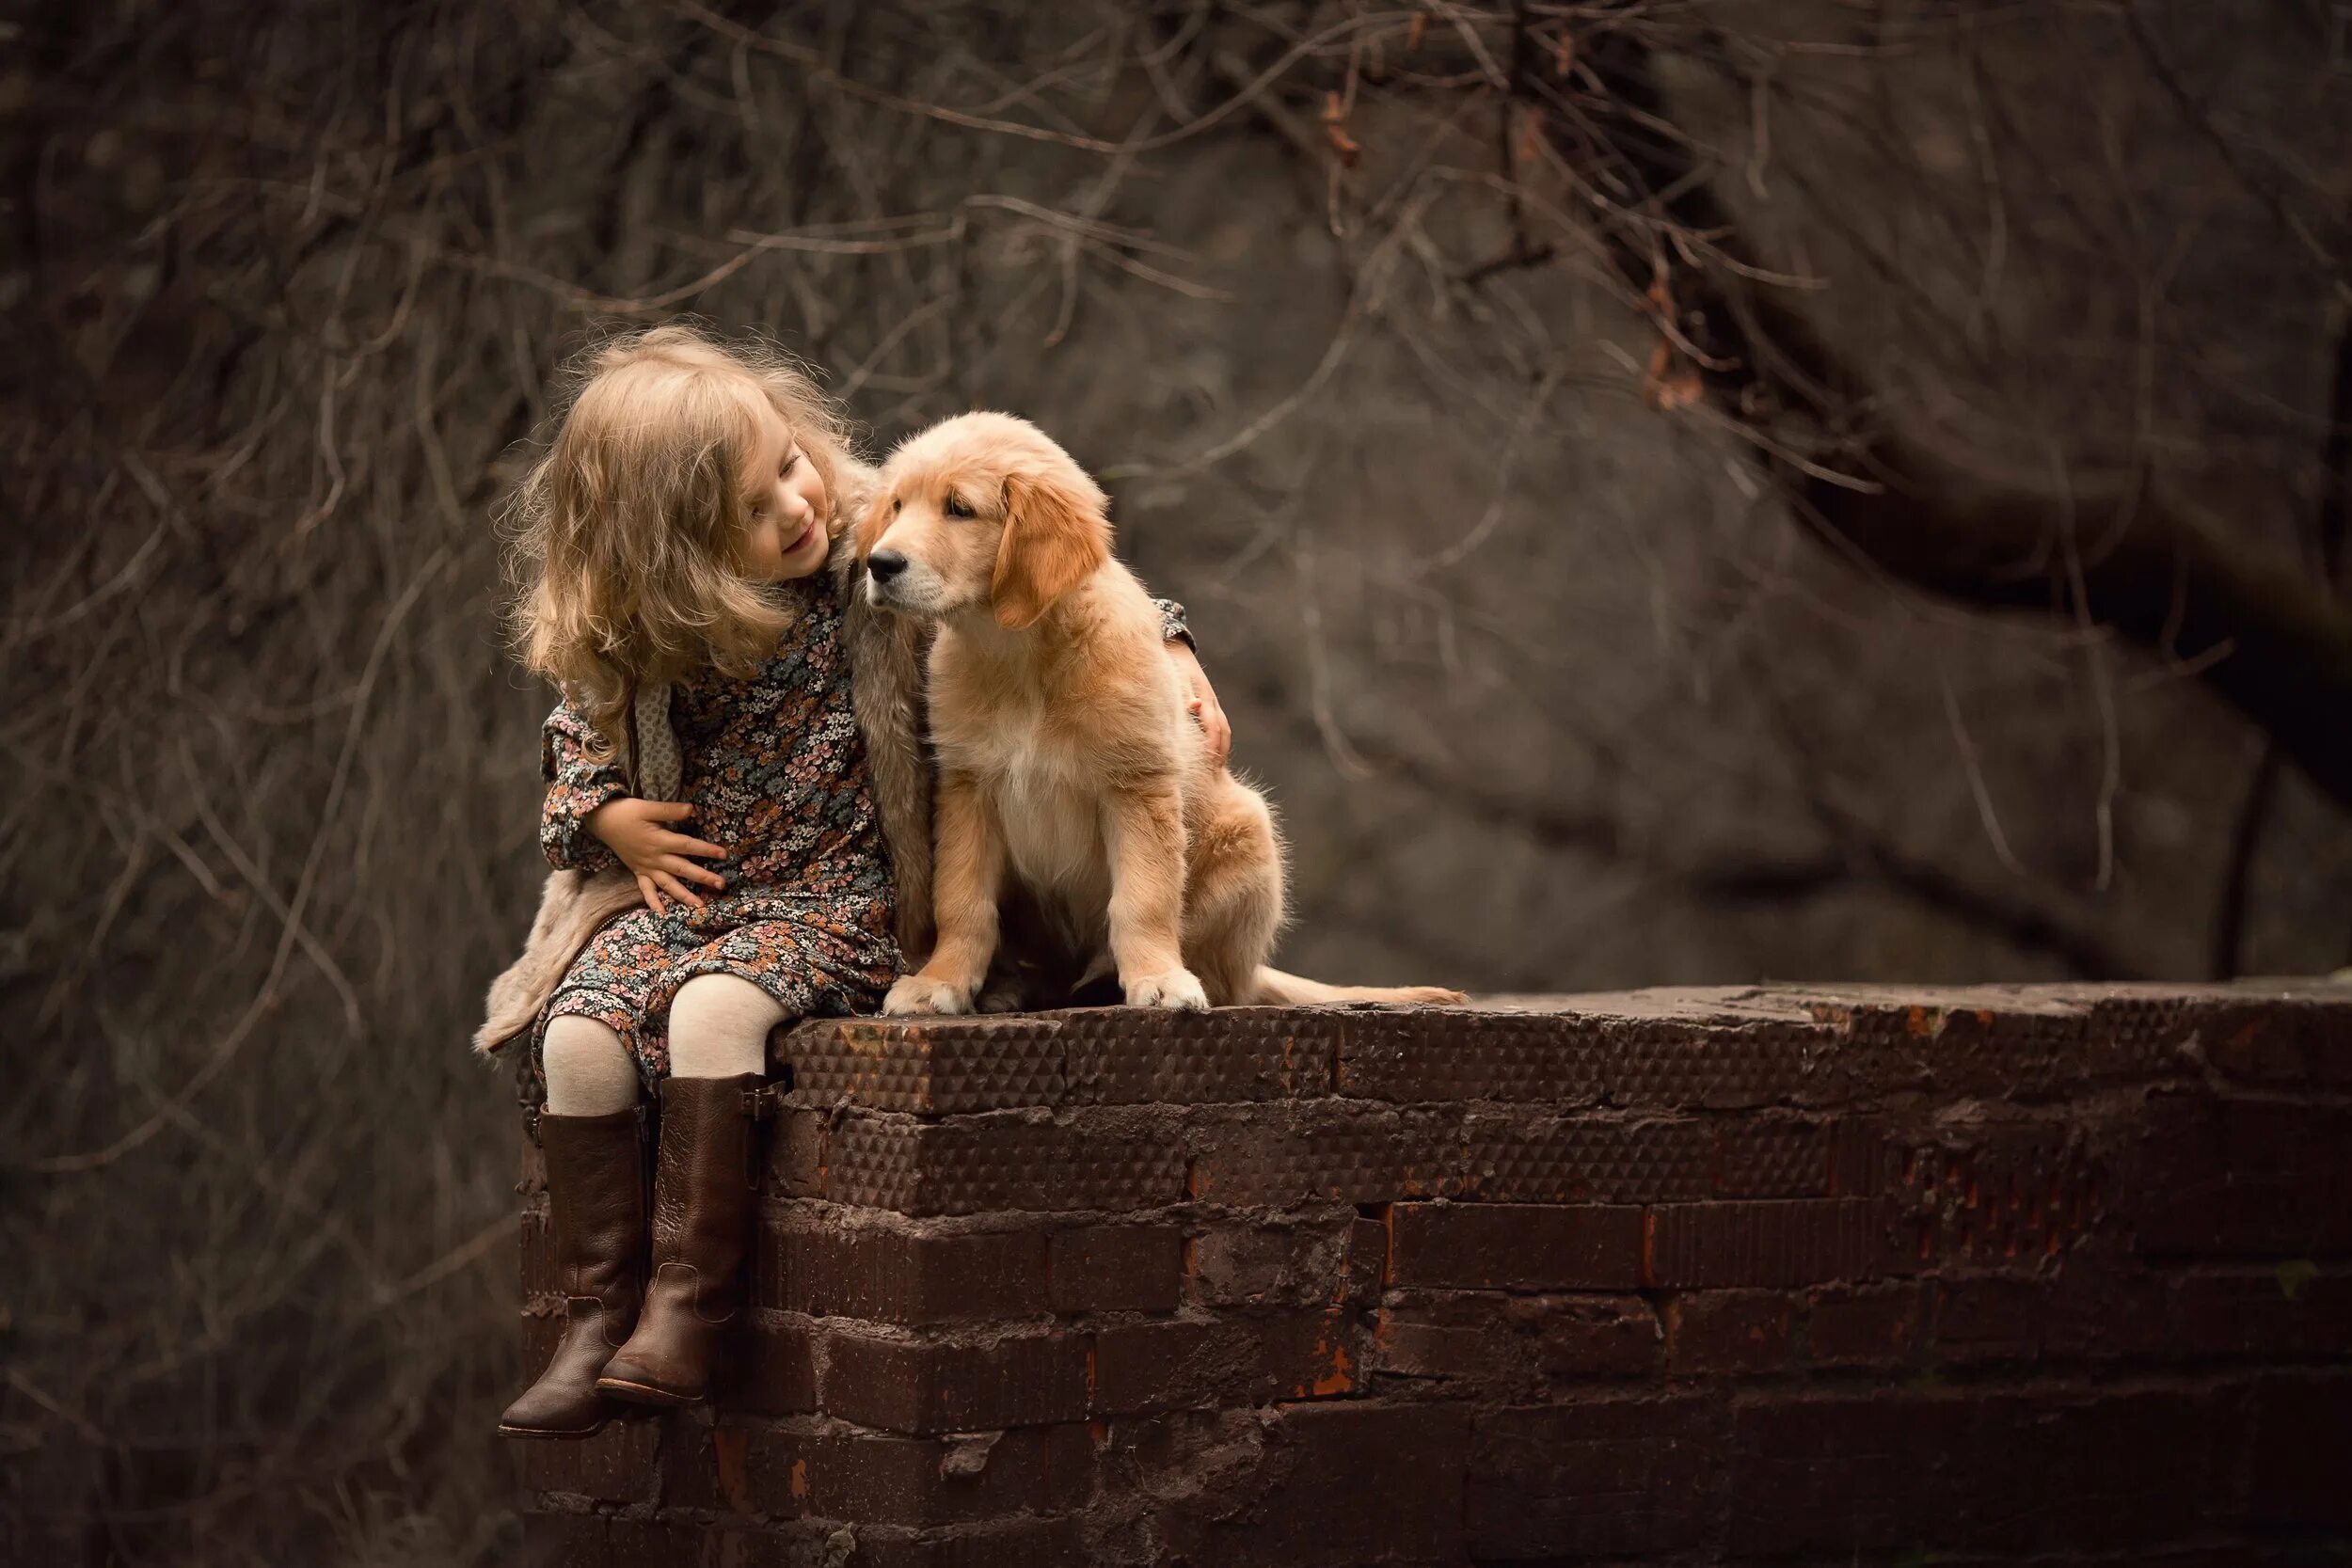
[885, 565]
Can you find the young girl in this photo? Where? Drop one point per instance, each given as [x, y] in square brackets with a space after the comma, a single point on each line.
[707, 759]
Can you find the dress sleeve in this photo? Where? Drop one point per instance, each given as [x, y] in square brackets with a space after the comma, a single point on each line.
[1173, 626]
[577, 784]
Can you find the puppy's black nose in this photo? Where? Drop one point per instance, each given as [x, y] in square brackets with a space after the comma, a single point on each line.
[885, 565]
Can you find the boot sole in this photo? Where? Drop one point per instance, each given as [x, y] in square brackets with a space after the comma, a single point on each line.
[573, 1434]
[644, 1393]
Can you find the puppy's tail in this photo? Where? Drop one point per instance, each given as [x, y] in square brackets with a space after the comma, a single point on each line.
[1276, 990]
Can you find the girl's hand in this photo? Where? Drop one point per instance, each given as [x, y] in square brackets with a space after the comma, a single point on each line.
[633, 828]
[1201, 701]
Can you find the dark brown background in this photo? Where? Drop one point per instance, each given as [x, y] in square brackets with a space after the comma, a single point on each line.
[1568, 666]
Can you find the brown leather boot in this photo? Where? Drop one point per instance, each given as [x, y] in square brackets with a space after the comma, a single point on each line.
[597, 1204]
[703, 1178]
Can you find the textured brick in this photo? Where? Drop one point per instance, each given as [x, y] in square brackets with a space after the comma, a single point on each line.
[1728, 1331]
[1876, 1325]
[920, 1273]
[1131, 1055]
[940, 1384]
[1765, 1242]
[1591, 1477]
[617, 1465]
[1232, 1262]
[1095, 1159]
[1120, 1267]
[1420, 1056]
[1529, 1247]
[1527, 1157]
[931, 1068]
[1344, 1151]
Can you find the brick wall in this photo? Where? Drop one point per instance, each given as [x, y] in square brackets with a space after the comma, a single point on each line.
[2059, 1275]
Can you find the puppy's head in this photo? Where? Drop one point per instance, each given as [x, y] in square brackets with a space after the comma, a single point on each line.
[982, 509]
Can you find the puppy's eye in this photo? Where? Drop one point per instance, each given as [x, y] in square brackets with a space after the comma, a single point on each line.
[955, 507]
[895, 505]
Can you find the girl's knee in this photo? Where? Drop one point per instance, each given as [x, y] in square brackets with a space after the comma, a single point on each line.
[719, 1026]
[589, 1071]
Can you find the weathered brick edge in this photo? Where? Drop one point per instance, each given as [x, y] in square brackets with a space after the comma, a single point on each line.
[2057, 1273]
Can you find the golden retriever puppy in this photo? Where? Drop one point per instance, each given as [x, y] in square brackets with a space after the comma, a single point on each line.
[1072, 784]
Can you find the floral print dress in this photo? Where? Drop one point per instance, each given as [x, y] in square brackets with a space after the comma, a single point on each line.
[776, 769]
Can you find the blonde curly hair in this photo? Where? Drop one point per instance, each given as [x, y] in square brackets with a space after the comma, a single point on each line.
[626, 541]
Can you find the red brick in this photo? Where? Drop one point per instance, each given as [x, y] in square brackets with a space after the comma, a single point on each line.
[775, 1365]
[1276, 1261]
[1226, 1361]
[1874, 1325]
[541, 1273]
[1340, 1150]
[2302, 1442]
[1350, 1483]
[940, 1384]
[2243, 1177]
[866, 1478]
[1990, 1320]
[1592, 1478]
[1108, 1268]
[2284, 1310]
[1527, 1246]
[601, 1541]
[1512, 1344]
[795, 1153]
[914, 1273]
[707, 1466]
[617, 1465]
[1765, 1242]
[1367, 1258]
[1010, 1543]
[1728, 1331]
[1098, 1157]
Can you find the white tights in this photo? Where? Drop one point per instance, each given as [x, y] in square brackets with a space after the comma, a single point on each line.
[717, 1029]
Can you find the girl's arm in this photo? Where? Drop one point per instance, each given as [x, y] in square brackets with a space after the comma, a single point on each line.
[1203, 700]
[577, 784]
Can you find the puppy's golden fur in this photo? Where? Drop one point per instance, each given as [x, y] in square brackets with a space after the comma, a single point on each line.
[1072, 780]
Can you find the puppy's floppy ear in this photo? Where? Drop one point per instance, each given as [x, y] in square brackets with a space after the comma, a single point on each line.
[873, 521]
[1055, 537]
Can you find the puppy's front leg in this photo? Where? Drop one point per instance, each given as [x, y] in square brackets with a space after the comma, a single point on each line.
[1143, 828]
[969, 876]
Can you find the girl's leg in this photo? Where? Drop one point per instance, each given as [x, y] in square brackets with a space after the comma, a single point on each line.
[719, 1027]
[704, 1179]
[594, 1140]
[589, 1069]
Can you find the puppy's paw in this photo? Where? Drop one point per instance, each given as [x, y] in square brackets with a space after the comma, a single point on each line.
[1431, 996]
[1178, 988]
[917, 995]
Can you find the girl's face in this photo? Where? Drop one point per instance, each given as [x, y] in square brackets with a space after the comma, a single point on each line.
[788, 504]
